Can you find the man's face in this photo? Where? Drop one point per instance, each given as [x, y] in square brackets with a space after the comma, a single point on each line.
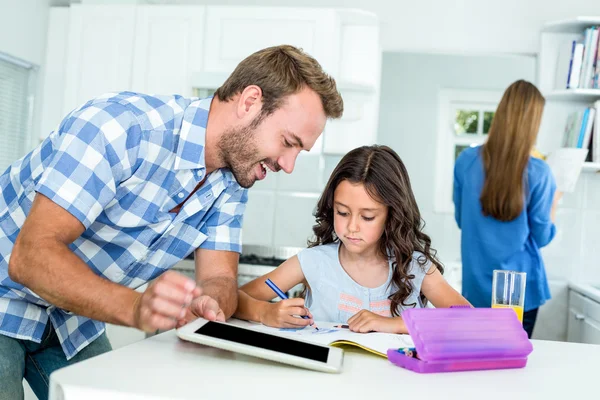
[273, 145]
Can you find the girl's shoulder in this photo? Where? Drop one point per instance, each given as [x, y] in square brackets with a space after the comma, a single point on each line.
[319, 253]
[313, 259]
[420, 263]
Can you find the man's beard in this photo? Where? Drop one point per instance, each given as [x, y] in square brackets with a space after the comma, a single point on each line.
[239, 150]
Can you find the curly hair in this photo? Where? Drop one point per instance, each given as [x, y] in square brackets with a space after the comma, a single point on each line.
[386, 180]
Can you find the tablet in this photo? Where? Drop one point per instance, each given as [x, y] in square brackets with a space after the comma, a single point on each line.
[263, 345]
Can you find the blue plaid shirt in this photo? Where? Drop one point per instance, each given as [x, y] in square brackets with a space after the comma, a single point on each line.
[118, 164]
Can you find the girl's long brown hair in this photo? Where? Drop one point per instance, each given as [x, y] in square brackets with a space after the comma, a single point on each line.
[506, 153]
[385, 178]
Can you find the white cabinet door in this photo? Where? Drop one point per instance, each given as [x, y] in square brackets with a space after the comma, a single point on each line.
[576, 316]
[54, 70]
[584, 317]
[590, 331]
[99, 53]
[591, 325]
[168, 47]
[574, 326]
[358, 125]
[233, 33]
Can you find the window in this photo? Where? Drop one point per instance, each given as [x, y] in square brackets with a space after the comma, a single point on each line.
[16, 104]
[464, 120]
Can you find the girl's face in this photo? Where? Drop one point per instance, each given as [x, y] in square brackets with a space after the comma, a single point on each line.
[358, 219]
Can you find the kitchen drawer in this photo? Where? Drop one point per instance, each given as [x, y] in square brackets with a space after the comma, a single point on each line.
[576, 301]
[575, 326]
[590, 332]
[583, 319]
[591, 309]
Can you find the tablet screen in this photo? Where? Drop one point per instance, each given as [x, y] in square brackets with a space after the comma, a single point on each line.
[264, 341]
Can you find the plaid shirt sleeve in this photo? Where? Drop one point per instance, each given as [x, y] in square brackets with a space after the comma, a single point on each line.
[92, 150]
[224, 224]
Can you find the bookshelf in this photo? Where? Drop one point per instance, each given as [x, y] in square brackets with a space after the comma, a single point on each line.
[591, 167]
[561, 102]
[582, 95]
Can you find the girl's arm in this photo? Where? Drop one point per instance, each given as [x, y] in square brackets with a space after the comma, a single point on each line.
[439, 292]
[254, 297]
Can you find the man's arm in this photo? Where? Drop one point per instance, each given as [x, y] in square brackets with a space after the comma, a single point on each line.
[42, 261]
[216, 274]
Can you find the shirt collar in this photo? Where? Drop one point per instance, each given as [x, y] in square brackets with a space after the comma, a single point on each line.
[192, 136]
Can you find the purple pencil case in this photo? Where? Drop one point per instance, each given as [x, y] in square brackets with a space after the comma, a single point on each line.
[463, 339]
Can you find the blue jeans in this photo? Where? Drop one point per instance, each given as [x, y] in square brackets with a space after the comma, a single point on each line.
[36, 361]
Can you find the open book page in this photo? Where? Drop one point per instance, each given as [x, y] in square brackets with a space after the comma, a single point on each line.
[375, 342]
[566, 164]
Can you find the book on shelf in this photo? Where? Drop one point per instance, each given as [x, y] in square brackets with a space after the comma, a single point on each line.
[579, 127]
[594, 142]
[578, 63]
[580, 143]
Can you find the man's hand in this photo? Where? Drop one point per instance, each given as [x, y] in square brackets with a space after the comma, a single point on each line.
[205, 307]
[367, 321]
[164, 302]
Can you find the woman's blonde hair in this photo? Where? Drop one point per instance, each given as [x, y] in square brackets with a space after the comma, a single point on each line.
[512, 134]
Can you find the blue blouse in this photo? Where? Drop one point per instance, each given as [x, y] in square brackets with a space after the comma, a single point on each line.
[488, 244]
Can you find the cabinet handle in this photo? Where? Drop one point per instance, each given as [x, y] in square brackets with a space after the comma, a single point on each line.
[579, 317]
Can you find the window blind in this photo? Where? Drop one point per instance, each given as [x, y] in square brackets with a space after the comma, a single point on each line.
[15, 110]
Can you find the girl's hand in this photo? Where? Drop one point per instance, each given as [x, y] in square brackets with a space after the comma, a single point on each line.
[284, 314]
[367, 321]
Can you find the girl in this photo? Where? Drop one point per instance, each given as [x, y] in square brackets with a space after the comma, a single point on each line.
[505, 201]
[369, 260]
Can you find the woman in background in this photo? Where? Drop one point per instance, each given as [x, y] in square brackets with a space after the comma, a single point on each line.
[505, 203]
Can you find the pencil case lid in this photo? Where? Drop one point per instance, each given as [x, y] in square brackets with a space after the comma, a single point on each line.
[461, 334]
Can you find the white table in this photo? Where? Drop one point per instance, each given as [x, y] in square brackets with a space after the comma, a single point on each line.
[164, 367]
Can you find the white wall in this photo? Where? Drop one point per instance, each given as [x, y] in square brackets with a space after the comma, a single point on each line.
[410, 84]
[488, 26]
[23, 25]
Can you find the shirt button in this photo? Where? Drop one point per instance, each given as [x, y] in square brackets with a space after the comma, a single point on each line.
[180, 195]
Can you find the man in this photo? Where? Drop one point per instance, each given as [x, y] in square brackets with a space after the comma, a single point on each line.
[127, 186]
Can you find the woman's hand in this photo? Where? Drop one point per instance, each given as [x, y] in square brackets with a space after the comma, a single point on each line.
[367, 321]
[557, 196]
[284, 314]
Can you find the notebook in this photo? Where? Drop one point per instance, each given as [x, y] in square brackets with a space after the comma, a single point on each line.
[374, 342]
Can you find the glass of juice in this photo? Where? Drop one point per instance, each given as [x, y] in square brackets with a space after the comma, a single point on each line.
[508, 291]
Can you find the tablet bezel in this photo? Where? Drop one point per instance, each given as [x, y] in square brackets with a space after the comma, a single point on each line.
[334, 362]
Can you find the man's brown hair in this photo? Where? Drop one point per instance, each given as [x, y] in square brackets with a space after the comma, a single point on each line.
[281, 71]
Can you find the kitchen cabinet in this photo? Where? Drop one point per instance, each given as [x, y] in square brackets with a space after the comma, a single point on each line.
[232, 33]
[583, 319]
[188, 50]
[168, 47]
[99, 52]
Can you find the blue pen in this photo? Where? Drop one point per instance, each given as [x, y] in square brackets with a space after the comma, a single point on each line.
[283, 296]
